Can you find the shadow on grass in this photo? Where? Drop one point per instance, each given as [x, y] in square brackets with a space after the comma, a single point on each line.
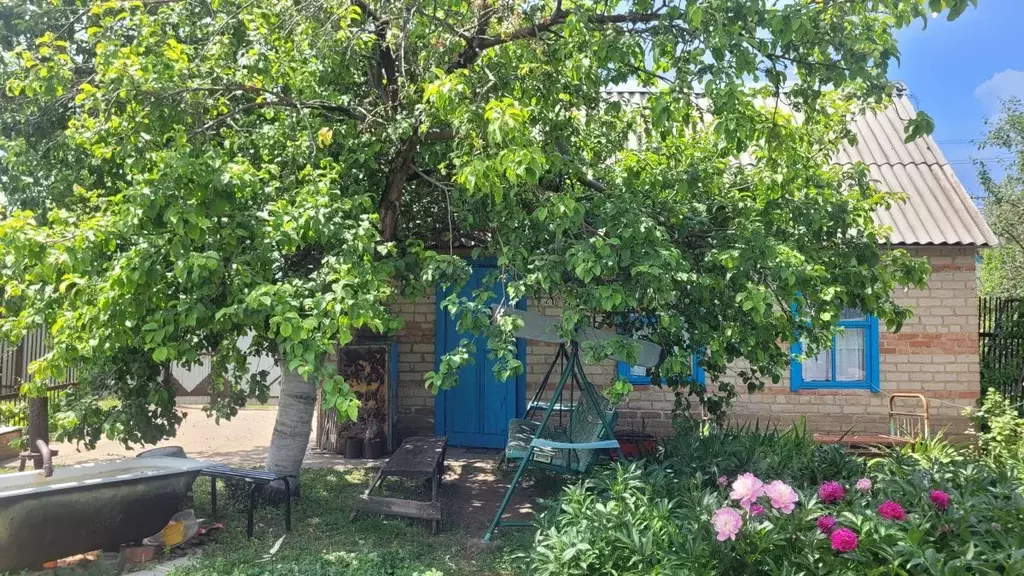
[323, 540]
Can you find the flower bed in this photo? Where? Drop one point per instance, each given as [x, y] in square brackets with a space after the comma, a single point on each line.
[755, 502]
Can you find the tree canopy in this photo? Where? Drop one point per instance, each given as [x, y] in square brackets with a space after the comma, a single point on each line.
[180, 173]
[1002, 267]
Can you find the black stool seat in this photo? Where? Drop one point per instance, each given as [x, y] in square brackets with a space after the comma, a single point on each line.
[252, 478]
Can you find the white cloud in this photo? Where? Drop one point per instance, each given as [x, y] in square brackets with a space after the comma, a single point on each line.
[999, 87]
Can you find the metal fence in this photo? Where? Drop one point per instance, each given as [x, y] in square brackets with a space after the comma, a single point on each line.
[1001, 342]
[14, 363]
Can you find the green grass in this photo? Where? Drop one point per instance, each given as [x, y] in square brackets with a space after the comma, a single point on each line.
[324, 542]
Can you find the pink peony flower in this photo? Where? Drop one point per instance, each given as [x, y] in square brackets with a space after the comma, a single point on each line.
[831, 491]
[940, 499]
[844, 540]
[826, 524]
[864, 484]
[727, 522]
[756, 510]
[747, 488]
[723, 481]
[784, 498]
[891, 511]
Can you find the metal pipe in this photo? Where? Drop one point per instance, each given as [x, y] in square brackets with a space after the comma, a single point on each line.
[44, 451]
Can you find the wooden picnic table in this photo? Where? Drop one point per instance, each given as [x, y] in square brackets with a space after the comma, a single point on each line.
[419, 457]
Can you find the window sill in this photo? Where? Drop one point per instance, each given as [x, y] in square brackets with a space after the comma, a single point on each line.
[835, 386]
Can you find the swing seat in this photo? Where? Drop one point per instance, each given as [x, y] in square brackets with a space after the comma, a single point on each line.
[565, 449]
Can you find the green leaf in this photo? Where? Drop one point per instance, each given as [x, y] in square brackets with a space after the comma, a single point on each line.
[920, 125]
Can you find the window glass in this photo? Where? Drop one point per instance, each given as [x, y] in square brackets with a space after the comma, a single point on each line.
[850, 350]
[851, 362]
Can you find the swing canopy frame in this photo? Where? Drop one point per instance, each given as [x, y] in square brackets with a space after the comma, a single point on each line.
[569, 445]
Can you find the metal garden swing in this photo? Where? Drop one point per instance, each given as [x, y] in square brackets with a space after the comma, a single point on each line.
[571, 445]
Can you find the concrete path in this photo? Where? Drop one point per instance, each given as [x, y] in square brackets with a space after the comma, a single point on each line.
[164, 568]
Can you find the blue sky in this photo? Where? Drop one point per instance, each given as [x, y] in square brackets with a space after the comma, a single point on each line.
[957, 71]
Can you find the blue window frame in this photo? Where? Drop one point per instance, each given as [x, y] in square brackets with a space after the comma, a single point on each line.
[641, 375]
[850, 363]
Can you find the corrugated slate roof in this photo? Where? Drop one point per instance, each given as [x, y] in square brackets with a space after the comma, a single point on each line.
[938, 210]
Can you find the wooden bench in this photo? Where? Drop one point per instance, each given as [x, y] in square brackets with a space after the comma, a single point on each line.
[419, 457]
[252, 478]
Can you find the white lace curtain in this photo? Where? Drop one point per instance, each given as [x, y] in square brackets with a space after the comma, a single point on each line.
[849, 355]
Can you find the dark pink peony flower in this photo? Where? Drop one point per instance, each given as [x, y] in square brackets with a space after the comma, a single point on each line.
[826, 524]
[891, 511]
[831, 491]
[756, 510]
[723, 481]
[844, 540]
[940, 499]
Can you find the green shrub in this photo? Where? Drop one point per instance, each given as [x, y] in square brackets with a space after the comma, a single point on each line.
[620, 522]
[657, 518]
[13, 413]
[791, 455]
[999, 430]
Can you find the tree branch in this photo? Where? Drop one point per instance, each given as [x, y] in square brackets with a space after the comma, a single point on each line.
[559, 17]
[391, 197]
[282, 102]
[592, 184]
[440, 135]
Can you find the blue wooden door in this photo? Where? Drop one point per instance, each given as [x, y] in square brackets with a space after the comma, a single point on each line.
[475, 412]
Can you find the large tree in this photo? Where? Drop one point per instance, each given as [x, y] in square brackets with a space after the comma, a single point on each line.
[181, 173]
[1002, 267]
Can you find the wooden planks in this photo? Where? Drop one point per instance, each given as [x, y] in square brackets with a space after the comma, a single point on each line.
[399, 507]
[417, 457]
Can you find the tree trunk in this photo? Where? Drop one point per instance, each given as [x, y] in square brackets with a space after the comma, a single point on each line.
[291, 429]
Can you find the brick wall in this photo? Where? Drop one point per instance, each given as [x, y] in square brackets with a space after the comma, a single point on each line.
[415, 358]
[936, 354]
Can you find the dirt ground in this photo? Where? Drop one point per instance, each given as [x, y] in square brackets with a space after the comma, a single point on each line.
[471, 493]
[241, 441]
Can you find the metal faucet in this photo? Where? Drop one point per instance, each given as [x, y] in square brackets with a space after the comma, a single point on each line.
[44, 451]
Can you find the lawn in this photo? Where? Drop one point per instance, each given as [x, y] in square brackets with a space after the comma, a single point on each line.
[324, 542]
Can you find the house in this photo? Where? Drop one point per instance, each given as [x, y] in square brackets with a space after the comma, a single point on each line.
[935, 354]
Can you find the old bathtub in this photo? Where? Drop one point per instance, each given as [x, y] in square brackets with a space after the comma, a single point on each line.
[88, 507]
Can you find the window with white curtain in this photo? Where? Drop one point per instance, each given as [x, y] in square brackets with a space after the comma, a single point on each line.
[851, 361]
